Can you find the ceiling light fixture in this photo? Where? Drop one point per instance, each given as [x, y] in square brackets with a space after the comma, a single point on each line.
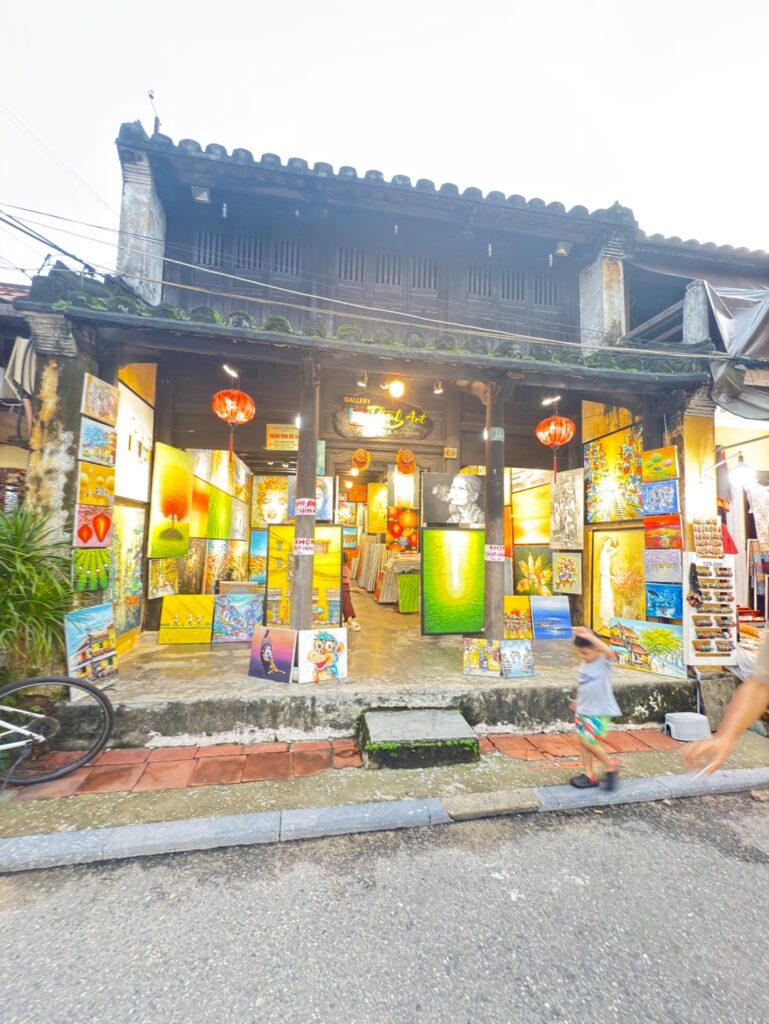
[438, 387]
[362, 381]
[562, 248]
[551, 400]
[298, 422]
[229, 370]
[354, 471]
[200, 194]
[396, 387]
[348, 484]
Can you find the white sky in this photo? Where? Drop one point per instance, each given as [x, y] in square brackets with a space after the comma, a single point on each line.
[660, 105]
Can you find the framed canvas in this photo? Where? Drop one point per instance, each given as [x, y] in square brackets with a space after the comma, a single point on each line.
[163, 578]
[96, 484]
[533, 570]
[322, 655]
[269, 501]
[237, 554]
[171, 503]
[190, 570]
[551, 618]
[186, 619]
[236, 616]
[326, 575]
[662, 566]
[526, 479]
[617, 576]
[223, 470]
[91, 569]
[93, 526]
[91, 644]
[349, 538]
[128, 558]
[99, 400]
[133, 456]
[242, 481]
[567, 572]
[663, 532]
[516, 659]
[517, 618]
[481, 657]
[453, 574]
[257, 556]
[98, 442]
[660, 499]
[217, 564]
[649, 646]
[239, 520]
[613, 476]
[453, 499]
[272, 654]
[346, 513]
[664, 600]
[219, 514]
[201, 501]
[567, 510]
[531, 516]
[202, 467]
[377, 508]
[659, 464]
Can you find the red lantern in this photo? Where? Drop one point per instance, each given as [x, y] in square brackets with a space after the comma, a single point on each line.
[555, 431]
[234, 407]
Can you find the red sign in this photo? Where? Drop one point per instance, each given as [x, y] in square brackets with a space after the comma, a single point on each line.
[305, 506]
[494, 552]
[304, 546]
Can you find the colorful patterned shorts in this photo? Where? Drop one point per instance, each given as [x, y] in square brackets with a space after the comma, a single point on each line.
[592, 728]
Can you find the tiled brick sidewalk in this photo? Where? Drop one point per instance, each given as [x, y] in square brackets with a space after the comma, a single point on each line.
[142, 770]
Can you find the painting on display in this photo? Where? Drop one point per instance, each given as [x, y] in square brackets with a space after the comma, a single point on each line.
[219, 514]
[128, 558]
[357, 493]
[453, 574]
[171, 503]
[186, 619]
[269, 501]
[663, 532]
[617, 577]
[664, 601]
[517, 618]
[349, 538]
[93, 526]
[190, 570]
[346, 513]
[662, 566]
[96, 484]
[660, 499]
[98, 442]
[237, 554]
[91, 569]
[531, 516]
[402, 532]
[613, 476]
[272, 654]
[202, 467]
[526, 479]
[567, 510]
[133, 457]
[324, 498]
[659, 464]
[516, 659]
[649, 646]
[241, 481]
[551, 618]
[453, 499]
[223, 471]
[163, 578]
[377, 508]
[236, 616]
[100, 400]
[507, 530]
[326, 575]
[567, 572]
[91, 643]
[201, 499]
[481, 657]
[239, 520]
[257, 556]
[217, 564]
[533, 570]
[322, 655]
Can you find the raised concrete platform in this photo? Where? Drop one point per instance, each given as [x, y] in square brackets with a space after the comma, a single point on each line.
[416, 739]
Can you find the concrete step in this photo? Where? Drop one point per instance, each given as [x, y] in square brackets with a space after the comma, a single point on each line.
[416, 739]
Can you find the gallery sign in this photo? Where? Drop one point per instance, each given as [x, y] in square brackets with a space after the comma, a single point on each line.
[376, 416]
[281, 437]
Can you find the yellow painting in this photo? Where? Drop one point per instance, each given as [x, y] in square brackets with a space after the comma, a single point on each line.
[186, 619]
[201, 497]
[377, 508]
[269, 501]
[171, 503]
[326, 575]
[599, 419]
[517, 618]
[618, 585]
[613, 476]
[531, 516]
[223, 471]
[96, 484]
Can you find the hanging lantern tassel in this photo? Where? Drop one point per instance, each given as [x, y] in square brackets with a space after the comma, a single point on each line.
[234, 407]
[555, 431]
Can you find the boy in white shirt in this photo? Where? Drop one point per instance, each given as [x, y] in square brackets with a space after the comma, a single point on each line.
[594, 708]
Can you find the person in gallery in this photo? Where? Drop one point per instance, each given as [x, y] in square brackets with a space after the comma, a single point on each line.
[464, 497]
[594, 708]
[348, 611]
[606, 580]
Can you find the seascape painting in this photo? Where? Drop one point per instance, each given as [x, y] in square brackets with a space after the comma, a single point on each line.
[531, 516]
[551, 618]
[664, 601]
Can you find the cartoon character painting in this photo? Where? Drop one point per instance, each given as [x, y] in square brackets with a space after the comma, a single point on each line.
[322, 655]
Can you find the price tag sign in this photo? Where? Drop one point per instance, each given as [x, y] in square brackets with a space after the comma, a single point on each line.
[305, 506]
[304, 546]
[494, 552]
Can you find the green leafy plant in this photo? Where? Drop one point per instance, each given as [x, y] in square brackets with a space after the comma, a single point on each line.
[278, 324]
[35, 593]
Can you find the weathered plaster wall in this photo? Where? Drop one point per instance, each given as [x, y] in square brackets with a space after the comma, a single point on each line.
[142, 231]
[602, 304]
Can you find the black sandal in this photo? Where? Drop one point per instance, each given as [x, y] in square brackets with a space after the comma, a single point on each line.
[584, 782]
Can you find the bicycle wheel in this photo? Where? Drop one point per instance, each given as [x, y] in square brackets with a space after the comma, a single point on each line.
[50, 726]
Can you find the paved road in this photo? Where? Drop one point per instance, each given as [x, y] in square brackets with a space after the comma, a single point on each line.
[655, 914]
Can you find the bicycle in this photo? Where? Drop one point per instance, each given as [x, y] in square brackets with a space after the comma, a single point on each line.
[49, 727]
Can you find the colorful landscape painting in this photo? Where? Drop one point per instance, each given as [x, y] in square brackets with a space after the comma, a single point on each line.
[349, 538]
[649, 646]
[96, 484]
[133, 459]
[663, 532]
[617, 577]
[453, 574]
[163, 578]
[660, 499]
[93, 526]
[567, 510]
[128, 559]
[481, 657]
[217, 563]
[186, 619]
[98, 442]
[531, 516]
[322, 655]
[551, 618]
[191, 569]
[272, 654]
[517, 618]
[171, 503]
[613, 476]
[257, 557]
[516, 659]
[663, 566]
[533, 570]
[567, 572]
[664, 600]
[236, 616]
[91, 569]
[659, 464]
[100, 400]
[326, 575]
[201, 498]
[90, 639]
[237, 552]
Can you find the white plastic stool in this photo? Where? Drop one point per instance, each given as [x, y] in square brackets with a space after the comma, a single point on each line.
[687, 726]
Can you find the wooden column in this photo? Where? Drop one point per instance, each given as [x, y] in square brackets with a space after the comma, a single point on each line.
[301, 592]
[494, 590]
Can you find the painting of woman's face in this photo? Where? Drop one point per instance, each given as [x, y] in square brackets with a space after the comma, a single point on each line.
[460, 492]
[274, 506]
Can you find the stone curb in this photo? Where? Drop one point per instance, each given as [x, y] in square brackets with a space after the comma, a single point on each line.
[88, 846]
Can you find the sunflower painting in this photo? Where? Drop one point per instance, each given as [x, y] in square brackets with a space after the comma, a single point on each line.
[533, 570]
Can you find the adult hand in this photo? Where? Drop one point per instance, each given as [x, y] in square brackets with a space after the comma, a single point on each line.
[707, 753]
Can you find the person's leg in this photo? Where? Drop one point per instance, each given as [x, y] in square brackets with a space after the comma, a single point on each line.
[587, 756]
[585, 735]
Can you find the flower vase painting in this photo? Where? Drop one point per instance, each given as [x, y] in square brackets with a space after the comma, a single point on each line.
[618, 584]
[567, 572]
[171, 503]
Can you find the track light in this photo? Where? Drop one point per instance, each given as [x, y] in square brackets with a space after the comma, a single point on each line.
[363, 379]
[438, 387]
[551, 400]
[229, 370]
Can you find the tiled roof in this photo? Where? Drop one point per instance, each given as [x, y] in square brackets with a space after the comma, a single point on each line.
[674, 242]
[9, 292]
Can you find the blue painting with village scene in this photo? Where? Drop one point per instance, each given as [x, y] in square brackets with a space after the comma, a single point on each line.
[91, 643]
[236, 616]
[648, 646]
[664, 601]
[660, 498]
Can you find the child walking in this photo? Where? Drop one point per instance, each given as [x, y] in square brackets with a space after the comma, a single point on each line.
[594, 708]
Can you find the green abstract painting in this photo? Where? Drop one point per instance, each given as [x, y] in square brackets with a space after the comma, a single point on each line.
[453, 573]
